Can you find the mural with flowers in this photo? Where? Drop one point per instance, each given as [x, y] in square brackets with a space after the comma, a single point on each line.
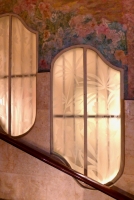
[63, 23]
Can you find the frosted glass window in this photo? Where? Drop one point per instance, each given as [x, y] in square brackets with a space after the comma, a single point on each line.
[86, 110]
[18, 68]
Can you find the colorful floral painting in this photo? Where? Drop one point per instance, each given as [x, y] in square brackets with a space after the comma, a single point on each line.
[128, 19]
[63, 23]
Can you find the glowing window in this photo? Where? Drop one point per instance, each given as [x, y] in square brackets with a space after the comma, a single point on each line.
[18, 67]
[86, 113]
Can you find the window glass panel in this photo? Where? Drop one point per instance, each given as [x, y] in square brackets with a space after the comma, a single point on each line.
[21, 57]
[104, 120]
[4, 104]
[4, 62]
[103, 87]
[104, 148]
[87, 113]
[23, 73]
[23, 49]
[23, 104]
[68, 106]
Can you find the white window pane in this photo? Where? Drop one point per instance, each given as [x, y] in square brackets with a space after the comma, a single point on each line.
[103, 87]
[104, 148]
[68, 106]
[87, 113]
[23, 104]
[20, 84]
[23, 49]
[4, 62]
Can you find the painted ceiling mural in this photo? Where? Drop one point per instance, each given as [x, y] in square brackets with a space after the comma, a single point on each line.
[63, 23]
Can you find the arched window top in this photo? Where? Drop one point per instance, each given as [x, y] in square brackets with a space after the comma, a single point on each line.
[96, 54]
[87, 113]
[18, 57]
[12, 15]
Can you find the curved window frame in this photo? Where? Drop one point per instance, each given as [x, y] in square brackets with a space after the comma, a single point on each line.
[10, 75]
[85, 48]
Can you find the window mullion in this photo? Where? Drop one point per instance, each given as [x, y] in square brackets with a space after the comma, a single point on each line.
[96, 119]
[9, 75]
[85, 108]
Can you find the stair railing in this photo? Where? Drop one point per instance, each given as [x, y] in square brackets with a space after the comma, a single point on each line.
[51, 160]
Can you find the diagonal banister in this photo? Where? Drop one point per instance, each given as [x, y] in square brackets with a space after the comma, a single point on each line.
[49, 159]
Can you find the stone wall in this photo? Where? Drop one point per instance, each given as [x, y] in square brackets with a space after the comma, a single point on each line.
[23, 177]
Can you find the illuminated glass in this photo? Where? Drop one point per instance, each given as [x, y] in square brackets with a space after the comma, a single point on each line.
[86, 101]
[18, 67]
